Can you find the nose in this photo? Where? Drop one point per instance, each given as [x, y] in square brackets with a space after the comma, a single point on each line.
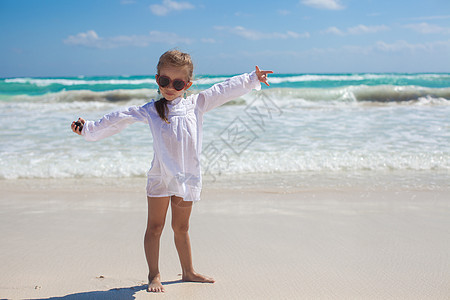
[169, 87]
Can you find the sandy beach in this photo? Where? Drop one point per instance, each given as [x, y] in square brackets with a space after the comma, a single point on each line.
[320, 130]
[83, 239]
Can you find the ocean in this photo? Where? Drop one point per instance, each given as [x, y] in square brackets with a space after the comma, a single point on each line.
[304, 125]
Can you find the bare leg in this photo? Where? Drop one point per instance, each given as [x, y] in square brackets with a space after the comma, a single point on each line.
[157, 210]
[181, 212]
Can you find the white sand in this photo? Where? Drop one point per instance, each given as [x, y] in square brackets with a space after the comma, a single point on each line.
[81, 239]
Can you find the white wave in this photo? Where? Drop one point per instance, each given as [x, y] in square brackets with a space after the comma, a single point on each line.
[355, 77]
[274, 79]
[281, 96]
[52, 166]
[307, 78]
[116, 164]
[87, 95]
[320, 161]
[389, 93]
[81, 81]
[71, 82]
[209, 81]
[361, 93]
[36, 141]
[428, 100]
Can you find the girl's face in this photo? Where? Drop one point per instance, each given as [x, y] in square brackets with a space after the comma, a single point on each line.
[173, 73]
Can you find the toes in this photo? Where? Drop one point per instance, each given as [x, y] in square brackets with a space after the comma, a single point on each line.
[156, 289]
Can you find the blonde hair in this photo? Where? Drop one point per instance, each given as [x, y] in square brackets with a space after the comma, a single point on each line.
[176, 58]
[173, 58]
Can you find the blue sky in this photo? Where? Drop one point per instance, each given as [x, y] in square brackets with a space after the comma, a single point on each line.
[126, 37]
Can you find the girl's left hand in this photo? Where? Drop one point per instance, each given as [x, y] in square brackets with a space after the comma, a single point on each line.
[262, 75]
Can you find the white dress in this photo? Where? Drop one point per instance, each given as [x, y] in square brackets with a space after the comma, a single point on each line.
[175, 169]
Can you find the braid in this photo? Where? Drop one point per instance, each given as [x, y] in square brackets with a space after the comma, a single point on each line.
[161, 108]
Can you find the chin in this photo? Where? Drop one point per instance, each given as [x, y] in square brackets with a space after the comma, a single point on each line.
[170, 97]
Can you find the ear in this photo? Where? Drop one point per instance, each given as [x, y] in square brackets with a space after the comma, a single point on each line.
[188, 85]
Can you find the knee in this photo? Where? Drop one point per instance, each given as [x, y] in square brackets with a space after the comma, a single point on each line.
[180, 228]
[154, 229]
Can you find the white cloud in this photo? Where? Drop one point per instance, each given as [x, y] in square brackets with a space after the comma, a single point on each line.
[426, 28]
[427, 18]
[91, 39]
[88, 39]
[402, 46]
[398, 46]
[168, 6]
[323, 4]
[333, 30]
[254, 35]
[363, 29]
[356, 30]
[208, 40]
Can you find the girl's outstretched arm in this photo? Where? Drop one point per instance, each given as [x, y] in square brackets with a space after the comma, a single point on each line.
[262, 75]
[231, 88]
[111, 123]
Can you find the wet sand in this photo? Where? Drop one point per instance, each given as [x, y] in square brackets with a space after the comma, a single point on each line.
[83, 239]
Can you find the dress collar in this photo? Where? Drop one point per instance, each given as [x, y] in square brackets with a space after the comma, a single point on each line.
[174, 101]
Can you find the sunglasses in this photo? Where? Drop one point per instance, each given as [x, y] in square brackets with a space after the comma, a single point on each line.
[164, 81]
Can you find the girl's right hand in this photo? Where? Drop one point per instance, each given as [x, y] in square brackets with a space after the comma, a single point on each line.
[76, 128]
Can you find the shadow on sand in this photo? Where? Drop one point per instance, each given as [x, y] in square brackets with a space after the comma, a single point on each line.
[117, 293]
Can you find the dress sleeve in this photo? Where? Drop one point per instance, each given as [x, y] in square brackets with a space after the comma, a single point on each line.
[113, 123]
[225, 91]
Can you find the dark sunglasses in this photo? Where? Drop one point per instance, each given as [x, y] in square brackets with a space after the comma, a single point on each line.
[164, 81]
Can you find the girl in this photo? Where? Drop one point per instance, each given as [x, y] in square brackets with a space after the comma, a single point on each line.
[176, 125]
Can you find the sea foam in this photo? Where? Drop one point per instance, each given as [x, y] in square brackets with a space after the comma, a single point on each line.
[303, 123]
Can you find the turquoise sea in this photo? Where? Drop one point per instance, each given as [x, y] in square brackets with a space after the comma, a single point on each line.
[303, 124]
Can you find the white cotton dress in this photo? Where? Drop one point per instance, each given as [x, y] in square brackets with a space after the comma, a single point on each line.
[175, 169]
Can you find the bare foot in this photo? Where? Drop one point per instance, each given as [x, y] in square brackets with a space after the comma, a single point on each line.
[195, 277]
[154, 284]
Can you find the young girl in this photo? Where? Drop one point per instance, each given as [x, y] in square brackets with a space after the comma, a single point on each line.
[175, 176]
